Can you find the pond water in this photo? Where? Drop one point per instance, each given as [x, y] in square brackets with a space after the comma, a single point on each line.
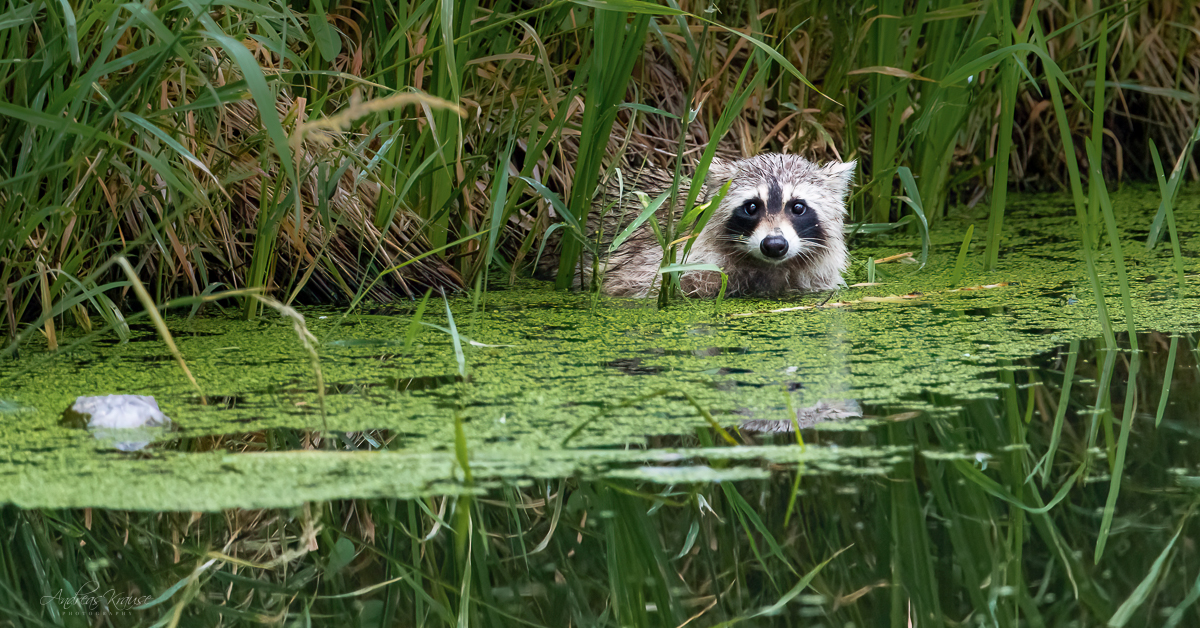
[927, 411]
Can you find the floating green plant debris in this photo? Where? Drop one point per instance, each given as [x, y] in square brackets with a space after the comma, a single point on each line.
[541, 367]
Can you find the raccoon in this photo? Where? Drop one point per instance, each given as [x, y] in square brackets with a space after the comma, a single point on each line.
[777, 230]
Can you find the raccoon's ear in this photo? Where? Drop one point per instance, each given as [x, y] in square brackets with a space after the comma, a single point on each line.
[840, 176]
[719, 171]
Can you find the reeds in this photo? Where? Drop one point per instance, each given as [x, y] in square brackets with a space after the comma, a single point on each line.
[944, 534]
[169, 137]
[173, 136]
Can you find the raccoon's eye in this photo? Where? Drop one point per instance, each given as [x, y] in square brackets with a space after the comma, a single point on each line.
[799, 207]
[750, 207]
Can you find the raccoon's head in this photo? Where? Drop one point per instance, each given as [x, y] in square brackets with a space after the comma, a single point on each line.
[779, 207]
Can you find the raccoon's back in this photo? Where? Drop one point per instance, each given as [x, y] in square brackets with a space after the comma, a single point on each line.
[611, 212]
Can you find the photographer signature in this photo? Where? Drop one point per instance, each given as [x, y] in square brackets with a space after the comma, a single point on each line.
[91, 600]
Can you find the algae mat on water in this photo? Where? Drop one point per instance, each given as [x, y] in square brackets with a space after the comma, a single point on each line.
[560, 383]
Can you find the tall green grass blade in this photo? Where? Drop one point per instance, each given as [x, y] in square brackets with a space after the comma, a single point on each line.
[1114, 240]
[1180, 612]
[913, 200]
[697, 217]
[886, 45]
[1051, 67]
[728, 116]
[465, 539]
[1064, 401]
[971, 551]
[630, 6]
[455, 339]
[616, 44]
[1166, 208]
[159, 324]
[649, 207]
[641, 579]
[1008, 101]
[1118, 467]
[791, 415]
[1144, 588]
[1099, 413]
[1168, 374]
[1097, 135]
[1076, 183]
[571, 220]
[72, 28]
[998, 490]
[912, 555]
[712, 422]
[791, 594]
[414, 325]
[961, 261]
[750, 521]
[328, 41]
[462, 455]
[499, 202]
[446, 76]
[264, 97]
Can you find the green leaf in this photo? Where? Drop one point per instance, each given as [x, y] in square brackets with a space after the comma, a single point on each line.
[414, 325]
[685, 268]
[72, 30]
[630, 6]
[169, 141]
[961, 261]
[1144, 588]
[913, 200]
[340, 556]
[21, 16]
[260, 91]
[166, 595]
[778, 606]
[691, 538]
[649, 207]
[326, 37]
[975, 65]
[648, 109]
[499, 200]
[456, 339]
[560, 208]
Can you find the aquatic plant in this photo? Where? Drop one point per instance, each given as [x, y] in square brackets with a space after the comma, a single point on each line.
[177, 124]
[950, 527]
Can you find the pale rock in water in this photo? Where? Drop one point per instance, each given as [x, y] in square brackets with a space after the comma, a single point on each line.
[119, 418]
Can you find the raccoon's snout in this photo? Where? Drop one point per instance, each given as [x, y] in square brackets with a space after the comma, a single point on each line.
[774, 246]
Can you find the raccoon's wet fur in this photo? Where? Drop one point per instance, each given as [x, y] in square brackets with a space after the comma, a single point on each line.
[778, 230]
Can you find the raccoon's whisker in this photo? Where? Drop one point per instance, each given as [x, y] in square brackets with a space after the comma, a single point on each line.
[815, 244]
[808, 254]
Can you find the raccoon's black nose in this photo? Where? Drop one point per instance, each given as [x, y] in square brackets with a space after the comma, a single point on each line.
[774, 246]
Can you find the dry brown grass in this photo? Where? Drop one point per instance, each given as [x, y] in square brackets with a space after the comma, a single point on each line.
[196, 223]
